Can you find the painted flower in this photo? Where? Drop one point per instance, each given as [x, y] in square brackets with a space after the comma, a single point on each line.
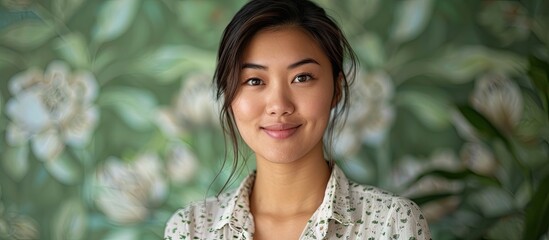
[195, 105]
[126, 192]
[499, 99]
[464, 127]
[477, 157]
[14, 226]
[370, 114]
[409, 169]
[51, 109]
[182, 164]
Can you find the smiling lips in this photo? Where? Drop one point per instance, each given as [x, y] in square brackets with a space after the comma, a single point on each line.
[281, 130]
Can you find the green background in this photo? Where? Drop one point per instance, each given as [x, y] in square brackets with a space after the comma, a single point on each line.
[108, 126]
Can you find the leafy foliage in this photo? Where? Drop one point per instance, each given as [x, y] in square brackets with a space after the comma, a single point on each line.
[108, 123]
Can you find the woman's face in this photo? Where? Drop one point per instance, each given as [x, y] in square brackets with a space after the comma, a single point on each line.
[285, 95]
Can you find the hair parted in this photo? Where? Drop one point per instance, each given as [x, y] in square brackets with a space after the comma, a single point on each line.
[257, 15]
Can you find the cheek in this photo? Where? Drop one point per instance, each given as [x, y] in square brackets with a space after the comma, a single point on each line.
[244, 108]
[319, 103]
[318, 109]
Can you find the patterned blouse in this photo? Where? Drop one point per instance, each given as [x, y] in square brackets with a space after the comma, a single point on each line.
[348, 211]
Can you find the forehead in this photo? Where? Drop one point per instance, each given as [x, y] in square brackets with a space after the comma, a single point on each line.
[281, 45]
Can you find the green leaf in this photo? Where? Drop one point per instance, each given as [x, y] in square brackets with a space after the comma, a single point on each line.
[534, 123]
[114, 19]
[493, 202]
[26, 35]
[430, 106]
[64, 169]
[15, 161]
[74, 50]
[122, 233]
[462, 175]
[432, 197]
[539, 74]
[412, 17]
[367, 9]
[462, 64]
[64, 9]
[507, 228]
[480, 123]
[70, 221]
[135, 106]
[369, 47]
[196, 18]
[170, 62]
[103, 59]
[537, 212]
[8, 58]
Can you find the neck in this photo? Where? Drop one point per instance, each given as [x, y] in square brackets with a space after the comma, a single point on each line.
[289, 189]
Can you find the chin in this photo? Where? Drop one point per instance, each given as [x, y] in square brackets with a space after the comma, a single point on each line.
[281, 157]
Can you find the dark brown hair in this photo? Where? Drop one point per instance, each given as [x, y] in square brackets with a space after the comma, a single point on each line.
[257, 15]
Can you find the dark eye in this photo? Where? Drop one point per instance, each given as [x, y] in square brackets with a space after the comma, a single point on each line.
[302, 78]
[254, 82]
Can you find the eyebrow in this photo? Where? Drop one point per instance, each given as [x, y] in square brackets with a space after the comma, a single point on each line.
[291, 66]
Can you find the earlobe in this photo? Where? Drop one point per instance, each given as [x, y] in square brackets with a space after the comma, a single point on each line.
[337, 90]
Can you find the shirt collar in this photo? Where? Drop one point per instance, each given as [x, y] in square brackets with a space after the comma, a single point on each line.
[335, 205]
[236, 211]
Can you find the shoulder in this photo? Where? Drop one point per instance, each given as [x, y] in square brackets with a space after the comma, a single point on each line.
[370, 196]
[394, 216]
[197, 218]
[407, 220]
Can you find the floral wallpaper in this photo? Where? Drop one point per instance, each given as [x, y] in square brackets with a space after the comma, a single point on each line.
[108, 122]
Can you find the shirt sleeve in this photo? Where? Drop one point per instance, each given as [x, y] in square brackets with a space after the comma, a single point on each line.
[406, 221]
[178, 227]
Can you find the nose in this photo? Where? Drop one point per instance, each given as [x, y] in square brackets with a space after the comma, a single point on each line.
[279, 101]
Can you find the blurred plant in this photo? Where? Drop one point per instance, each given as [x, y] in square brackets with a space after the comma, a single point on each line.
[500, 196]
[18, 227]
[51, 109]
[450, 108]
[128, 192]
[371, 113]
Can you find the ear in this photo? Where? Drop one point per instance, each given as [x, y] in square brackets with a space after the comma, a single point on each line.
[337, 90]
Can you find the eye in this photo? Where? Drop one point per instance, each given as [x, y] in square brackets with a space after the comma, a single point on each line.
[254, 82]
[304, 77]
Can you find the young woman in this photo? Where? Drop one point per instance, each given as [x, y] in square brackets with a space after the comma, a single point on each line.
[281, 79]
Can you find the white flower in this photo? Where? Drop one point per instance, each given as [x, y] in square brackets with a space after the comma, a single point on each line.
[51, 109]
[15, 226]
[477, 157]
[499, 99]
[369, 90]
[346, 143]
[182, 164]
[195, 102]
[436, 210]
[370, 114]
[128, 191]
[406, 170]
[376, 124]
[195, 105]
[168, 123]
[410, 168]
[463, 127]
